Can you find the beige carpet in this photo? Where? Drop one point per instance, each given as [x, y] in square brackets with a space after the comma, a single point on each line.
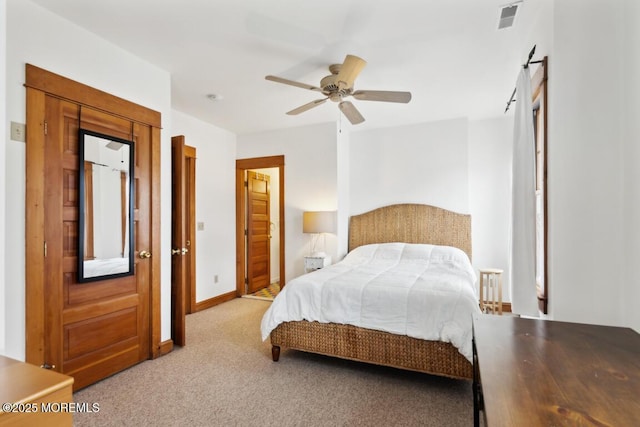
[225, 377]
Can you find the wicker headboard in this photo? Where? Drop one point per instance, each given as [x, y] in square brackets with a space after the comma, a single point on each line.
[411, 223]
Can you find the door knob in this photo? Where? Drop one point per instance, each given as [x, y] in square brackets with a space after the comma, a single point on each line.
[176, 251]
[144, 254]
[184, 251]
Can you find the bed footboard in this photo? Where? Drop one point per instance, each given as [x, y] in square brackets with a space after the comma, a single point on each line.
[377, 347]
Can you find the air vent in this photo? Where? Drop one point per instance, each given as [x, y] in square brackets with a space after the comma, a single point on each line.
[508, 15]
[115, 146]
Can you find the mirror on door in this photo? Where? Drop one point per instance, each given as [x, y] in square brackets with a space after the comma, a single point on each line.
[105, 218]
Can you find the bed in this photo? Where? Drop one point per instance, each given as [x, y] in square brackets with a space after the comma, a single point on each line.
[103, 267]
[386, 229]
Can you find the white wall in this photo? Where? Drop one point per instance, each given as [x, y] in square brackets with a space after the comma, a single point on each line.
[585, 170]
[457, 164]
[631, 137]
[343, 164]
[36, 36]
[490, 151]
[4, 131]
[423, 163]
[215, 203]
[310, 180]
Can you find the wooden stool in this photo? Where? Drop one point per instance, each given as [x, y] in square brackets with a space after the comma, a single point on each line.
[492, 279]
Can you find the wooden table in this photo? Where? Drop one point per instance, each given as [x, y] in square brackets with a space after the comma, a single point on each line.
[29, 389]
[545, 373]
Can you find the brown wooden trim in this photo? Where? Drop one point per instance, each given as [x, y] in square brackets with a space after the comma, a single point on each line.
[211, 302]
[165, 347]
[241, 249]
[242, 165]
[34, 235]
[189, 151]
[506, 307]
[156, 294]
[65, 88]
[260, 162]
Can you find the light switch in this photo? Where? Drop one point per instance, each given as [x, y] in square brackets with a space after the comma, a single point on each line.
[18, 131]
[200, 226]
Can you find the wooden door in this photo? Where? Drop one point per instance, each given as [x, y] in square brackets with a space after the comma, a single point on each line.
[178, 243]
[93, 329]
[89, 330]
[190, 224]
[258, 232]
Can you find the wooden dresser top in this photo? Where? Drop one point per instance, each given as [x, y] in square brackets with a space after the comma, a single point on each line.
[546, 373]
[22, 382]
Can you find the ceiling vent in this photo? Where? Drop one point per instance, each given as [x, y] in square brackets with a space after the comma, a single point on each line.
[508, 15]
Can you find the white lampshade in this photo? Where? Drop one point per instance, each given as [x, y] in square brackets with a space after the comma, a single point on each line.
[319, 222]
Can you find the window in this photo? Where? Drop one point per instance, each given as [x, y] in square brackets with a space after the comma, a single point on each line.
[539, 93]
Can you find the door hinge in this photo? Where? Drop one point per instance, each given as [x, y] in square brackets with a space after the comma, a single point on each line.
[245, 232]
[246, 183]
[246, 281]
[46, 127]
[45, 249]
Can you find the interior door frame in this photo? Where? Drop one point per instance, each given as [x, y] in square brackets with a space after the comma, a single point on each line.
[258, 233]
[39, 84]
[243, 165]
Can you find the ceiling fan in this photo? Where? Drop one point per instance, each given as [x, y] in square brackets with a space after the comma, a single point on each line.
[339, 85]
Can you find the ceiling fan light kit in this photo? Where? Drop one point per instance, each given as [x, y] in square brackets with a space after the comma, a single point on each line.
[339, 85]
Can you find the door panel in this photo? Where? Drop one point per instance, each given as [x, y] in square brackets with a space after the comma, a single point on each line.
[92, 329]
[190, 222]
[178, 240]
[258, 232]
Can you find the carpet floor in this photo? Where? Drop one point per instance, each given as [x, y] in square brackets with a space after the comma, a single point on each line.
[224, 376]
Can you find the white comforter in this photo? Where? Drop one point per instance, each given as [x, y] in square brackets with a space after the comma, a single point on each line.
[423, 291]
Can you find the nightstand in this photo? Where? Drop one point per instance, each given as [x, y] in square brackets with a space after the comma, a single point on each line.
[312, 263]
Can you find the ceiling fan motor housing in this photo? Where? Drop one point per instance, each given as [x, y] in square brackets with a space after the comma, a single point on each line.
[330, 86]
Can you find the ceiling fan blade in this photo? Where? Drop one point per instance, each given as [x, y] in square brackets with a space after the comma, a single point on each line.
[382, 95]
[351, 67]
[351, 112]
[292, 83]
[307, 106]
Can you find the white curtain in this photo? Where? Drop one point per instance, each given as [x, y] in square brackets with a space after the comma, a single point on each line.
[522, 247]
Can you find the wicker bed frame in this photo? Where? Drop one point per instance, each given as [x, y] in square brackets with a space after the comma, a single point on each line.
[411, 223]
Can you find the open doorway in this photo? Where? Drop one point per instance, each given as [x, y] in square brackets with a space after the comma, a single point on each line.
[259, 223]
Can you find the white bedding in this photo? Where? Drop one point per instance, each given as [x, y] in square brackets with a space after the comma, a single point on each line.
[101, 267]
[423, 291]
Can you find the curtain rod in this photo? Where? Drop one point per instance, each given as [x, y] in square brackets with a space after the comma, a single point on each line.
[529, 61]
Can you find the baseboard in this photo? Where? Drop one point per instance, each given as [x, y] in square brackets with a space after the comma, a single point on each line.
[165, 347]
[211, 302]
[506, 307]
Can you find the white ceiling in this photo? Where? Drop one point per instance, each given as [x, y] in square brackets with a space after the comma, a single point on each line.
[448, 53]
